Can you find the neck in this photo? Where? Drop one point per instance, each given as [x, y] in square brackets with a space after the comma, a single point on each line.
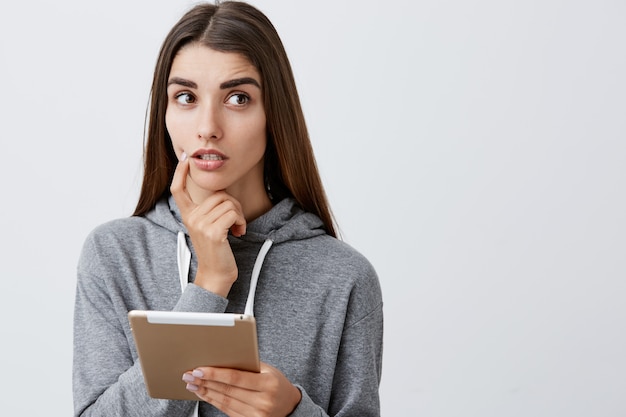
[253, 205]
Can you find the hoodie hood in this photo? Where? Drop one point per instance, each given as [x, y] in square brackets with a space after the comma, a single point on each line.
[284, 222]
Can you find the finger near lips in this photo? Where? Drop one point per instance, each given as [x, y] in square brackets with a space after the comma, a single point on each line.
[178, 186]
[220, 209]
[180, 175]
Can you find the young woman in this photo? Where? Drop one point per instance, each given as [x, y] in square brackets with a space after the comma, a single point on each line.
[229, 173]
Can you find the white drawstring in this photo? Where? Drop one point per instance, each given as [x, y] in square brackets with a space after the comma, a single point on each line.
[183, 258]
[256, 271]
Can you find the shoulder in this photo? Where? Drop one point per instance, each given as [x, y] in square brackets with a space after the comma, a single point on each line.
[353, 276]
[120, 239]
[344, 258]
[339, 265]
[118, 230]
[134, 228]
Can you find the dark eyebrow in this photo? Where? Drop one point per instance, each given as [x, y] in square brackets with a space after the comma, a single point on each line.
[225, 85]
[183, 82]
[239, 81]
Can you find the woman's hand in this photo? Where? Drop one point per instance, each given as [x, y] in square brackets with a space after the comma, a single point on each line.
[241, 393]
[208, 224]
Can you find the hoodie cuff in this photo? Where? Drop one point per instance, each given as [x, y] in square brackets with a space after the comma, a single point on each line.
[306, 407]
[197, 299]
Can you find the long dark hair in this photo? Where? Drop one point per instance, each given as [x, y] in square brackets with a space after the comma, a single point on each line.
[290, 167]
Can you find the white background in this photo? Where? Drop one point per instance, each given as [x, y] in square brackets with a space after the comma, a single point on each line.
[474, 151]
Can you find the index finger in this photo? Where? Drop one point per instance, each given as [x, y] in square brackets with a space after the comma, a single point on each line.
[178, 188]
[235, 377]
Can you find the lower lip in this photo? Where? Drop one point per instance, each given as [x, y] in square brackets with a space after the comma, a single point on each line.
[208, 165]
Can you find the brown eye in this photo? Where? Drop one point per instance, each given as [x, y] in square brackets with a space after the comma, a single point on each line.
[238, 99]
[185, 98]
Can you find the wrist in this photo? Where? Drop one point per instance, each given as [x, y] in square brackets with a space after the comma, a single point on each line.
[296, 396]
[219, 286]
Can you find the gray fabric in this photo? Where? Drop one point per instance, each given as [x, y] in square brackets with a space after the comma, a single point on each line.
[318, 308]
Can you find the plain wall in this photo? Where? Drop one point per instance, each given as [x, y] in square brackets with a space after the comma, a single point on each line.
[474, 151]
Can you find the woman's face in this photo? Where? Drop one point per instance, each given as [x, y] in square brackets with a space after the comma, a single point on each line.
[215, 115]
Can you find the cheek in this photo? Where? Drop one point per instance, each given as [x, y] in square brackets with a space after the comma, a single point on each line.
[258, 141]
[175, 128]
[260, 128]
[251, 136]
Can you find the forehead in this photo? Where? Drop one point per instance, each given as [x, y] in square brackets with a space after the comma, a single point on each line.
[203, 64]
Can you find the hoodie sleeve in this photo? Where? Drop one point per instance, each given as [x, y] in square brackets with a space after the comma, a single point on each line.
[107, 377]
[357, 375]
[195, 298]
[107, 381]
[358, 369]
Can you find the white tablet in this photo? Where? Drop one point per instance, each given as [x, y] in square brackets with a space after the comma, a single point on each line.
[169, 343]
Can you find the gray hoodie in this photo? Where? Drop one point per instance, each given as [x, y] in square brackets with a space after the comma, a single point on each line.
[318, 308]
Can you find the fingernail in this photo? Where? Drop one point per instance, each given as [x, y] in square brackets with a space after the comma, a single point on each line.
[183, 156]
[192, 387]
[197, 373]
[188, 378]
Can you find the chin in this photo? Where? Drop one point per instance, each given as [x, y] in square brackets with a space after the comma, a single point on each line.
[208, 187]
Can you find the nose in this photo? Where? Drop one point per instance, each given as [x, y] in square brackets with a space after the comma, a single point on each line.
[209, 123]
